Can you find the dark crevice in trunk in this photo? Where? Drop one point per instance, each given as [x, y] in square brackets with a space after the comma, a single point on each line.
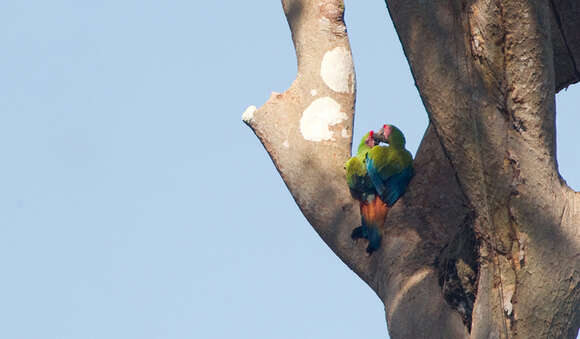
[458, 269]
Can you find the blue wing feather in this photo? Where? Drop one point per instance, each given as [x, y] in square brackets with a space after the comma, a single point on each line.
[391, 189]
[396, 186]
[375, 177]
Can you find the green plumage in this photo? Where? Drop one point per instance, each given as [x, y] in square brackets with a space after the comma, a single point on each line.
[389, 160]
[356, 171]
[390, 168]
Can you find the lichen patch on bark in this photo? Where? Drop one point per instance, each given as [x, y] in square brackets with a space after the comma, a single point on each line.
[508, 293]
[249, 114]
[337, 70]
[318, 117]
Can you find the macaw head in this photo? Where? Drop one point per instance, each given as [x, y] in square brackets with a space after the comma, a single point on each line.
[367, 142]
[393, 136]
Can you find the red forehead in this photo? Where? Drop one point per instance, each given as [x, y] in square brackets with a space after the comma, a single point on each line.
[387, 130]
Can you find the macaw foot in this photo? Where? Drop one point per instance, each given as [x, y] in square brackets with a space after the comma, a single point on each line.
[360, 232]
[374, 238]
[369, 233]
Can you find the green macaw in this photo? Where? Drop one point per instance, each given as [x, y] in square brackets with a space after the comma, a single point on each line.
[377, 177]
[390, 167]
[372, 209]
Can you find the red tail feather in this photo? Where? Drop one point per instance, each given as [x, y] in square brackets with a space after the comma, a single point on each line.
[375, 212]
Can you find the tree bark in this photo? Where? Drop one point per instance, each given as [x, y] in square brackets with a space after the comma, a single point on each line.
[492, 250]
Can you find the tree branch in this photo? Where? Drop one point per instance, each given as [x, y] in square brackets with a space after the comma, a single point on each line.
[307, 130]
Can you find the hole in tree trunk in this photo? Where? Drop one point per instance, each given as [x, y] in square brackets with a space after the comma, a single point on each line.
[458, 270]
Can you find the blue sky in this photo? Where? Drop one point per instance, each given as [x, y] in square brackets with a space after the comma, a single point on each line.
[133, 201]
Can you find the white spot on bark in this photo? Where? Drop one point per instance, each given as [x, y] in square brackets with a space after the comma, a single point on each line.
[249, 113]
[318, 117]
[286, 144]
[507, 301]
[313, 92]
[337, 70]
[344, 133]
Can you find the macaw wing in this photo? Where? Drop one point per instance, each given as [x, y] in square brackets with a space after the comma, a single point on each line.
[375, 177]
[396, 186]
[377, 165]
[390, 173]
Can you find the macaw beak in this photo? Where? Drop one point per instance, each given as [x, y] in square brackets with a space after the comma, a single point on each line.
[380, 136]
[381, 132]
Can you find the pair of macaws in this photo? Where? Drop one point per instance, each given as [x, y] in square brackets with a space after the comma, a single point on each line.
[377, 177]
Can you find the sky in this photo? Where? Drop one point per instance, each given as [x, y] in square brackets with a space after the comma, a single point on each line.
[134, 203]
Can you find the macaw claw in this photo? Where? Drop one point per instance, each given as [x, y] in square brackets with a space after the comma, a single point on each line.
[369, 233]
[360, 232]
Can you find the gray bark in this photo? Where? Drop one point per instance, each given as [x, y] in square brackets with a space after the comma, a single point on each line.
[493, 249]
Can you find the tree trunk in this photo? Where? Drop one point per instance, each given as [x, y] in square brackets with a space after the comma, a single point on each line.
[485, 243]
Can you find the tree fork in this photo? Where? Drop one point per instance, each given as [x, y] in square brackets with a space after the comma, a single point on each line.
[492, 250]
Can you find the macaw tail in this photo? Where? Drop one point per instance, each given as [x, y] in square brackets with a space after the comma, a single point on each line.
[373, 215]
[374, 211]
